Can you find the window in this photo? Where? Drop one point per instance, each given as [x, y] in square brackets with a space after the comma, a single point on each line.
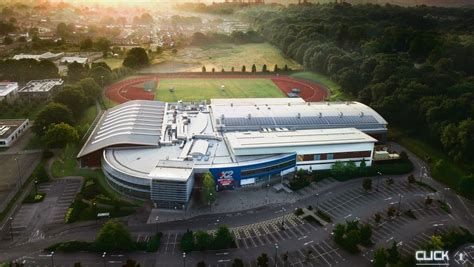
[317, 157]
[259, 171]
[330, 156]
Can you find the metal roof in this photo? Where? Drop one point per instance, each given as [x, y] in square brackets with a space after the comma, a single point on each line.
[240, 141]
[255, 114]
[136, 122]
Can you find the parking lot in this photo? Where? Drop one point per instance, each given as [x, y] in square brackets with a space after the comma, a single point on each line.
[343, 205]
[12, 167]
[31, 218]
[270, 231]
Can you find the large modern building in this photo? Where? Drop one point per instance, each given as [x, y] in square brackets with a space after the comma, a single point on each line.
[155, 150]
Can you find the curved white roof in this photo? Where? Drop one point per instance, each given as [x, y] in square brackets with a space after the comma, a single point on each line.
[135, 122]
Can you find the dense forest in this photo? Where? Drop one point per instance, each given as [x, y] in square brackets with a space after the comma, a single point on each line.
[413, 65]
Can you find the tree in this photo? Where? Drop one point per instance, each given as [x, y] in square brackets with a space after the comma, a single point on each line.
[393, 254]
[86, 44]
[203, 68]
[366, 234]
[391, 212]
[136, 58]
[243, 68]
[90, 88]
[264, 68]
[232, 69]
[367, 184]
[213, 70]
[262, 260]
[435, 243]
[377, 217]
[380, 257]
[208, 188]
[411, 179]
[285, 68]
[203, 240]
[103, 44]
[223, 238]
[238, 263]
[339, 231]
[102, 75]
[276, 69]
[114, 236]
[351, 240]
[201, 264]
[187, 241]
[76, 71]
[61, 134]
[51, 114]
[73, 97]
[254, 68]
[428, 201]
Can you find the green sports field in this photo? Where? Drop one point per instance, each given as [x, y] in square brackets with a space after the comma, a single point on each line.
[200, 89]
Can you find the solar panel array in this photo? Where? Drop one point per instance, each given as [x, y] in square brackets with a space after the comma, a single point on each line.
[365, 122]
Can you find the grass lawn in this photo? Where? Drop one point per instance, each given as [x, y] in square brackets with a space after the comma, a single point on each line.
[114, 63]
[219, 56]
[199, 89]
[87, 116]
[449, 173]
[334, 88]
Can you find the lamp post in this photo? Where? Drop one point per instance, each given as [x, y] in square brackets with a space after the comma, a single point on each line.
[36, 186]
[276, 253]
[378, 180]
[52, 258]
[184, 259]
[446, 189]
[11, 227]
[19, 172]
[156, 223]
[103, 257]
[317, 201]
[399, 202]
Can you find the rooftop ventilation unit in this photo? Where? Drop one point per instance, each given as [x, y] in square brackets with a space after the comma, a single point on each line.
[231, 104]
[289, 104]
[361, 114]
[249, 116]
[320, 114]
[340, 114]
[298, 115]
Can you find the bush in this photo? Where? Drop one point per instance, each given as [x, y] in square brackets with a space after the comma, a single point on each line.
[323, 215]
[299, 211]
[71, 246]
[35, 198]
[153, 243]
[187, 242]
[40, 174]
[298, 183]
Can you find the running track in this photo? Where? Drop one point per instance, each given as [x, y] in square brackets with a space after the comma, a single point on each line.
[131, 89]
